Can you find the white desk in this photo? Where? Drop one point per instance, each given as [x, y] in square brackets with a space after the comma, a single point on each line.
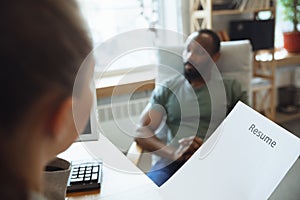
[121, 178]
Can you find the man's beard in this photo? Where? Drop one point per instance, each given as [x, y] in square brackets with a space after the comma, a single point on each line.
[192, 74]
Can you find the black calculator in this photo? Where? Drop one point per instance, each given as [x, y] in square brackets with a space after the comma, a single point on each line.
[85, 176]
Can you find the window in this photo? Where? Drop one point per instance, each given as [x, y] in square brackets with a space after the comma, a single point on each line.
[108, 18]
[280, 26]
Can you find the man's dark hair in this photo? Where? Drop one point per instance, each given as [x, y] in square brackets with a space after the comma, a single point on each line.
[215, 38]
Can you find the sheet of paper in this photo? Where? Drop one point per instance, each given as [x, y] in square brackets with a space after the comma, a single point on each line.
[245, 158]
[143, 192]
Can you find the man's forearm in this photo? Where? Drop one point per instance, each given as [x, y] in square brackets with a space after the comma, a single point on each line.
[148, 141]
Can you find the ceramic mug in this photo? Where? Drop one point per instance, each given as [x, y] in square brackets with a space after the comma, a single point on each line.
[56, 176]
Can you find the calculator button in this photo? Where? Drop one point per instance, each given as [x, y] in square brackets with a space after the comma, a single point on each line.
[77, 179]
[95, 169]
[85, 176]
[94, 176]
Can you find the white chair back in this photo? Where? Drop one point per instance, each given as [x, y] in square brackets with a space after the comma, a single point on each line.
[235, 62]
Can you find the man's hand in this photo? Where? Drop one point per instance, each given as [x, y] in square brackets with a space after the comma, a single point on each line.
[187, 147]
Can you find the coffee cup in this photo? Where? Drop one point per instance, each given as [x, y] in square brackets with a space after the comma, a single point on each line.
[56, 176]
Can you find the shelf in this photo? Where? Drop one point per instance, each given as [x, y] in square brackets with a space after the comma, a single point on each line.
[202, 13]
[203, 18]
[263, 87]
[258, 83]
[236, 12]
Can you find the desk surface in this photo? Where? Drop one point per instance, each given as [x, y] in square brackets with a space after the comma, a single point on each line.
[120, 177]
[283, 58]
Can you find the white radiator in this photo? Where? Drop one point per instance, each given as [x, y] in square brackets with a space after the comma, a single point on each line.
[117, 121]
[121, 110]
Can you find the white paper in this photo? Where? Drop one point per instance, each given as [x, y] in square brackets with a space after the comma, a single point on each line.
[235, 163]
[143, 192]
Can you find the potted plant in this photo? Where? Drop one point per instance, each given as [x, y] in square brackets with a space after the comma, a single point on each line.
[292, 13]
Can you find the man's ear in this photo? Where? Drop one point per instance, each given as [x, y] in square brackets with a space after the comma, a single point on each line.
[216, 56]
[61, 118]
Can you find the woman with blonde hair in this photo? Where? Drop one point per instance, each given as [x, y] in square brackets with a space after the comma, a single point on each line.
[43, 44]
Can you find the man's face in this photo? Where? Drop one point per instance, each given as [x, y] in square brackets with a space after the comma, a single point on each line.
[196, 57]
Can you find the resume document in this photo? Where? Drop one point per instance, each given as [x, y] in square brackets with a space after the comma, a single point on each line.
[245, 158]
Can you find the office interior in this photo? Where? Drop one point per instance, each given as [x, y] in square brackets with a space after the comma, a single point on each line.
[119, 99]
[141, 66]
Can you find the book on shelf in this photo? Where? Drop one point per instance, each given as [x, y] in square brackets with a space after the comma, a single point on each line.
[243, 5]
[249, 5]
[226, 5]
[253, 5]
[267, 4]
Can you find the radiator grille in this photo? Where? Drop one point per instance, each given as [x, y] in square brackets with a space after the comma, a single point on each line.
[122, 110]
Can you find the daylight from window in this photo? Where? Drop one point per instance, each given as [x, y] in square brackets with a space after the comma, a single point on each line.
[108, 18]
